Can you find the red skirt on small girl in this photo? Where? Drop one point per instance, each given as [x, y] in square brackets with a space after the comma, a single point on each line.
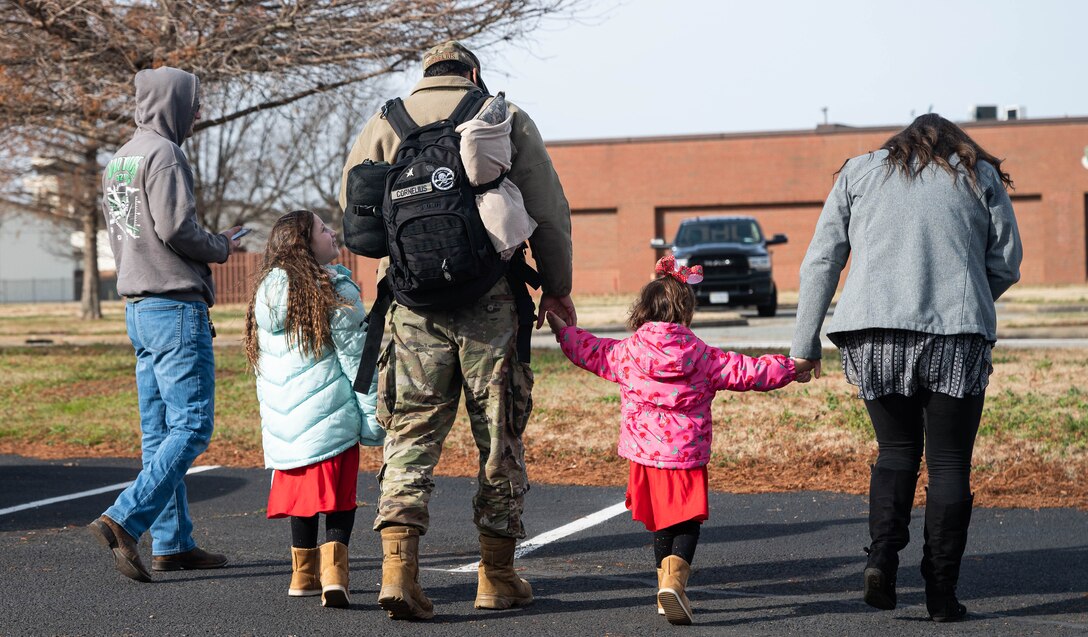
[660, 498]
[322, 487]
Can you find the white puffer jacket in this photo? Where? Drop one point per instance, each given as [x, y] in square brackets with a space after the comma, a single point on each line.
[309, 411]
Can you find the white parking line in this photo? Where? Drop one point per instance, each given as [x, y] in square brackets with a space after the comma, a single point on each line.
[532, 544]
[83, 494]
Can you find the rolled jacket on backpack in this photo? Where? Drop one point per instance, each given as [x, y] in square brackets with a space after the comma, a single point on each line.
[487, 154]
[433, 99]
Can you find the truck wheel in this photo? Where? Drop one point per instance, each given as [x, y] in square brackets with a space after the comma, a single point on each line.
[771, 308]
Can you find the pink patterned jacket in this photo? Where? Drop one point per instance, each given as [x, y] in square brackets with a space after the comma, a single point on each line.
[668, 378]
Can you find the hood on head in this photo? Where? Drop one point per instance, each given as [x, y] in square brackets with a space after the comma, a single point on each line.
[666, 350]
[166, 102]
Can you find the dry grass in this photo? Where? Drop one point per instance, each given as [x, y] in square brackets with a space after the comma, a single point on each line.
[1032, 448]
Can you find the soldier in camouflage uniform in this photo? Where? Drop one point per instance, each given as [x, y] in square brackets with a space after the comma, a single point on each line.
[435, 354]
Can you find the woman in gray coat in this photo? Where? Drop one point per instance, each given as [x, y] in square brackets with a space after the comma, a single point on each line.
[933, 240]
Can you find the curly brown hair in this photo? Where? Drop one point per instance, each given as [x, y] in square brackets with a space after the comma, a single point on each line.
[666, 299]
[311, 296]
[931, 138]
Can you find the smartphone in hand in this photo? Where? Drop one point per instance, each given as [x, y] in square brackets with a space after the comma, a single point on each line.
[241, 233]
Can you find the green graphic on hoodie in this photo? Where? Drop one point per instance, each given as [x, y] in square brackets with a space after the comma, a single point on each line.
[121, 197]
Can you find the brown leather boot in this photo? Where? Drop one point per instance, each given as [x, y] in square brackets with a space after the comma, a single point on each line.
[334, 575]
[674, 579]
[196, 558]
[126, 554]
[401, 595]
[305, 581]
[499, 586]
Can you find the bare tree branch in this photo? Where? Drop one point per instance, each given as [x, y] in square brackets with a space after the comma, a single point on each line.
[66, 69]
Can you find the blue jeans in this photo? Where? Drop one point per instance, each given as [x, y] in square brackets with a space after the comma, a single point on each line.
[175, 381]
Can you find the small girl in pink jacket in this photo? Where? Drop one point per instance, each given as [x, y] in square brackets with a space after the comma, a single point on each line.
[668, 378]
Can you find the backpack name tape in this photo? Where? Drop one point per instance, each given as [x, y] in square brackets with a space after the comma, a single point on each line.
[401, 193]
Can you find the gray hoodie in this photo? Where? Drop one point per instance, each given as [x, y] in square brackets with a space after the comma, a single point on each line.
[929, 254]
[148, 197]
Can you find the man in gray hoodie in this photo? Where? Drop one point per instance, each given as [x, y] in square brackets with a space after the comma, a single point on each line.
[162, 271]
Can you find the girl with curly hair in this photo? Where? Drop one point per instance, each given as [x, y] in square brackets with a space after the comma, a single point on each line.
[304, 334]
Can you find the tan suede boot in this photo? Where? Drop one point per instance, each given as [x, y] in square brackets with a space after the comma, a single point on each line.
[499, 586]
[671, 596]
[660, 611]
[334, 575]
[401, 595]
[305, 581]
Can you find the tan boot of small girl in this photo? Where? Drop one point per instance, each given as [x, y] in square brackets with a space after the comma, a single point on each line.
[660, 611]
[672, 595]
[334, 575]
[305, 581]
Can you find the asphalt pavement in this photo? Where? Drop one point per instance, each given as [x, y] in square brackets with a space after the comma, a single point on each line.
[771, 564]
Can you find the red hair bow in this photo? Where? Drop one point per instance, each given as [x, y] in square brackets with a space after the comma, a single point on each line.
[684, 274]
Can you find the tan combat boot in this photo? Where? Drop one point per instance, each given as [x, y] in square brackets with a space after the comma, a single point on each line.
[499, 586]
[334, 575]
[671, 596]
[401, 595]
[304, 572]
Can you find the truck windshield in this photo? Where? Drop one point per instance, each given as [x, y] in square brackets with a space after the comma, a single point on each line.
[718, 231]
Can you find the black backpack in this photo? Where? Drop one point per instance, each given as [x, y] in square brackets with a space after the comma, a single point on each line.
[439, 252]
[364, 230]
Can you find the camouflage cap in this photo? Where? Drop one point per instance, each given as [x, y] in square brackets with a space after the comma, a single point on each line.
[451, 50]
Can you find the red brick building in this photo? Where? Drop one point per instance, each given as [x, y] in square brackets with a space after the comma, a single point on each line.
[625, 192]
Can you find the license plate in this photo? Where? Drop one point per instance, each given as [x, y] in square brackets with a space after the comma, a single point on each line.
[719, 297]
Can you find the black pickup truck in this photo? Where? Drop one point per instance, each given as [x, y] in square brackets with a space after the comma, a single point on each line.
[735, 260]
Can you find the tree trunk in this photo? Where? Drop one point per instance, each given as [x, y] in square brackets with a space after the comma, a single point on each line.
[91, 307]
[90, 214]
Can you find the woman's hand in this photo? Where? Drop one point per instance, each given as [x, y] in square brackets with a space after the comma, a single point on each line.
[806, 369]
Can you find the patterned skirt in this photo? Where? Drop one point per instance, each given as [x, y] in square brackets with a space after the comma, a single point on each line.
[885, 361]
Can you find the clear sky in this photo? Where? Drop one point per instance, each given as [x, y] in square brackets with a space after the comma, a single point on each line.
[662, 67]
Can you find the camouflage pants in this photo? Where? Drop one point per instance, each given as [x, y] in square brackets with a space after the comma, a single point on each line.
[432, 357]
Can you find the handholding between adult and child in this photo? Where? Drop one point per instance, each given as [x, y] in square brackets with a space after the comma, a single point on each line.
[555, 323]
[806, 369]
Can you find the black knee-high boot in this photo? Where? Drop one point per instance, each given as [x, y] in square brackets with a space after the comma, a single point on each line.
[891, 496]
[945, 541]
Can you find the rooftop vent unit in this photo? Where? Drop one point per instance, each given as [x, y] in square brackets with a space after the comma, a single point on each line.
[985, 113]
[1013, 112]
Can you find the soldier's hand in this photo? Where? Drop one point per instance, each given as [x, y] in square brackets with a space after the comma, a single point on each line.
[561, 306]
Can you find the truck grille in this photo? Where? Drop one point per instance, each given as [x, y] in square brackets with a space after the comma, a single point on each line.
[722, 266]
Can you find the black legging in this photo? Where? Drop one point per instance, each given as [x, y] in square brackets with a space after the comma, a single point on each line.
[678, 539]
[338, 526]
[941, 426]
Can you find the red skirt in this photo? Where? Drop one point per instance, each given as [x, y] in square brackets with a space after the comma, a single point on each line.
[660, 498]
[323, 487]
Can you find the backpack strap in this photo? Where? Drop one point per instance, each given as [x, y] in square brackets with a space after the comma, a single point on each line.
[468, 106]
[491, 185]
[394, 112]
[375, 329]
[519, 275]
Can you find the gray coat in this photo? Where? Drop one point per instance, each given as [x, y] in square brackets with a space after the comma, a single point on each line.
[930, 254]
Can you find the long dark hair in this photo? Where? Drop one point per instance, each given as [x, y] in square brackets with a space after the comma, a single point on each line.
[931, 138]
[310, 294]
[666, 299]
